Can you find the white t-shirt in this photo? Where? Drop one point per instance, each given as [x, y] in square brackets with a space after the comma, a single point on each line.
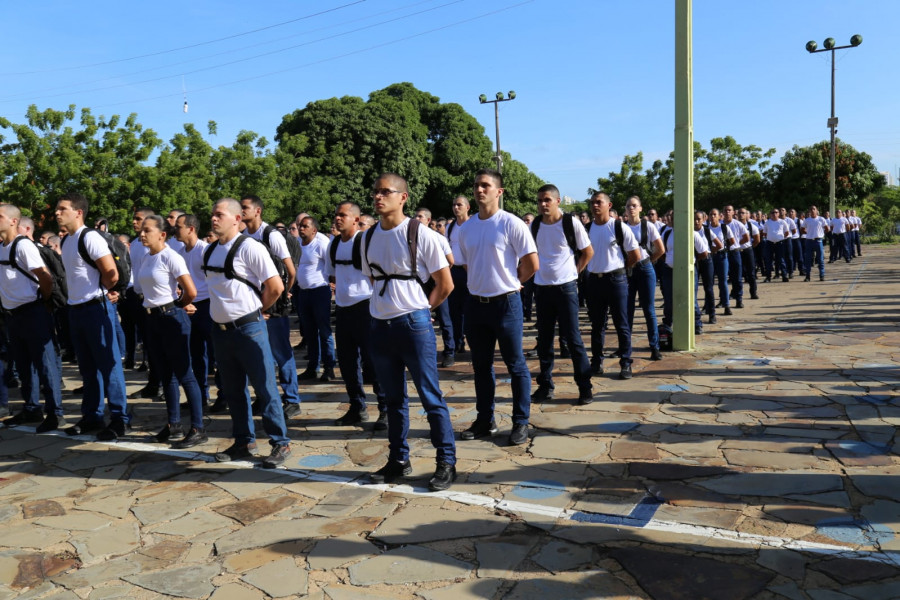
[15, 288]
[174, 244]
[856, 222]
[491, 249]
[607, 254]
[700, 246]
[82, 279]
[751, 229]
[738, 231]
[194, 261]
[815, 227]
[776, 230]
[276, 241]
[453, 238]
[389, 251]
[137, 251]
[351, 286]
[311, 272]
[723, 234]
[792, 225]
[652, 236]
[230, 299]
[556, 258]
[839, 225]
[159, 276]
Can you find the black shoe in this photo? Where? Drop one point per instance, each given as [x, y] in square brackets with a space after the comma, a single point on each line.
[50, 423]
[655, 354]
[625, 372]
[307, 375]
[171, 432]
[142, 368]
[460, 349]
[391, 472]
[479, 429]
[727, 312]
[564, 353]
[24, 417]
[195, 437]
[4, 412]
[698, 330]
[712, 319]
[83, 427]
[354, 416]
[381, 421]
[444, 476]
[785, 280]
[519, 435]
[144, 392]
[806, 278]
[219, 407]
[448, 361]
[113, 432]
[585, 397]
[291, 410]
[721, 304]
[597, 367]
[300, 344]
[768, 279]
[327, 375]
[543, 393]
[128, 363]
[277, 457]
[256, 408]
[236, 452]
[821, 278]
[739, 304]
[78, 390]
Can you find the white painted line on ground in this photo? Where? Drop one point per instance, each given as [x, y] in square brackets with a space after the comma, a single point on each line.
[520, 508]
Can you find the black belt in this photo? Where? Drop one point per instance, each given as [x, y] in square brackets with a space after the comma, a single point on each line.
[158, 310]
[487, 299]
[26, 306]
[817, 239]
[97, 300]
[643, 261]
[602, 275]
[196, 302]
[248, 318]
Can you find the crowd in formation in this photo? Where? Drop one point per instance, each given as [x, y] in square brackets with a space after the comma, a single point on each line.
[221, 306]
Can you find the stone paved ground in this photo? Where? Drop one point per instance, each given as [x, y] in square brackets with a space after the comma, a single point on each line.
[763, 465]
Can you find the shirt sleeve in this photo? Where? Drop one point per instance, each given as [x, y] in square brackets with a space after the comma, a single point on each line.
[28, 256]
[520, 237]
[176, 265]
[278, 245]
[95, 244]
[258, 261]
[582, 240]
[430, 251]
[629, 242]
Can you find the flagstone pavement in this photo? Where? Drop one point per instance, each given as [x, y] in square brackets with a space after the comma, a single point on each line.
[762, 465]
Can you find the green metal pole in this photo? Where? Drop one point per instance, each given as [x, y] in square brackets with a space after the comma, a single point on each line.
[683, 276]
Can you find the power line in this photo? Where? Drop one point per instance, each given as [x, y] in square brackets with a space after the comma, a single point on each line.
[198, 44]
[329, 59]
[264, 54]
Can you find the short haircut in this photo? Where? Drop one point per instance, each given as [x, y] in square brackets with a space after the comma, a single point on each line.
[144, 211]
[191, 221]
[636, 197]
[424, 211]
[12, 211]
[597, 195]
[492, 173]
[255, 200]
[402, 185]
[354, 207]
[177, 211]
[53, 240]
[77, 201]
[463, 198]
[27, 222]
[554, 191]
[234, 207]
[369, 219]
[312, 220]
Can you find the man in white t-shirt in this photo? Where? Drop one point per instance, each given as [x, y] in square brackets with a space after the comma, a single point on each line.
[278, 324]
[91, 322]
[776, 232]
[739, 237]
[855, 232]
[460, 294]
[748, 251]
[423, 215]
[500, 255]
[840, 247]
[25, 290]
[353, 322]
[556, 291]
[314, 301]
[615, 253]
[642, 282]
[814, 227]
[237, 301]
[402, 334]
[186, 232]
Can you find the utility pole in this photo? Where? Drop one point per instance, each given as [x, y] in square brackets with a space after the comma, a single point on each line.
[499, 98]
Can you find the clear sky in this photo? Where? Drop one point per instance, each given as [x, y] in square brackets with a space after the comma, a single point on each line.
[594, 78]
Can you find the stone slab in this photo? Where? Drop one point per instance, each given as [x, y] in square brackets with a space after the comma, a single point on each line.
[408, 564]
[580, 585]
[498, 558]
[236, 591]
[187, 582]
[194, 524]
[476, 589]
[77, 520]
[421, 524]
[248, 511]
[774, 484]
[567, 448]
[117, 539]
[279, 578]
[557, 556]
[338, 551]
[265, 533]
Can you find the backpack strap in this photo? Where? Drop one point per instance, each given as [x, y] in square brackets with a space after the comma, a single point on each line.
[228, 268]
[412, 242]
[332, 252]
[14, 264]
[355, 254]
[450, 227]
[644, 236]
[82, 249]
[266, 233]
[535, 225]
[665, 238]
[620, 236]
[568, 227]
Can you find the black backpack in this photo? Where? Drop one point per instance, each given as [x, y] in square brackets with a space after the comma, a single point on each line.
[54, 265]
[276, 310]
[568, 231]
[355, 252]
[412, 242]
[119, 252]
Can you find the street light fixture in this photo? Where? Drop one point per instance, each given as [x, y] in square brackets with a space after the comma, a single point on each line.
[811, 46]
[483, 99]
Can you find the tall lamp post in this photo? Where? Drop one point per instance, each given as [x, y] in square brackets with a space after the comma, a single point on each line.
[499, 98]
[811, 46]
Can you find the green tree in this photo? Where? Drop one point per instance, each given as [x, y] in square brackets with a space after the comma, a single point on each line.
[729, 173]
[802, 177]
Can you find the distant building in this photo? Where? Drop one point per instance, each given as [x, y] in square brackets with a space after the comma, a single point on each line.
[888, 177]
[568, 200]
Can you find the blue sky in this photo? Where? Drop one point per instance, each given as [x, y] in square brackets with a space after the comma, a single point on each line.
[594, 79]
